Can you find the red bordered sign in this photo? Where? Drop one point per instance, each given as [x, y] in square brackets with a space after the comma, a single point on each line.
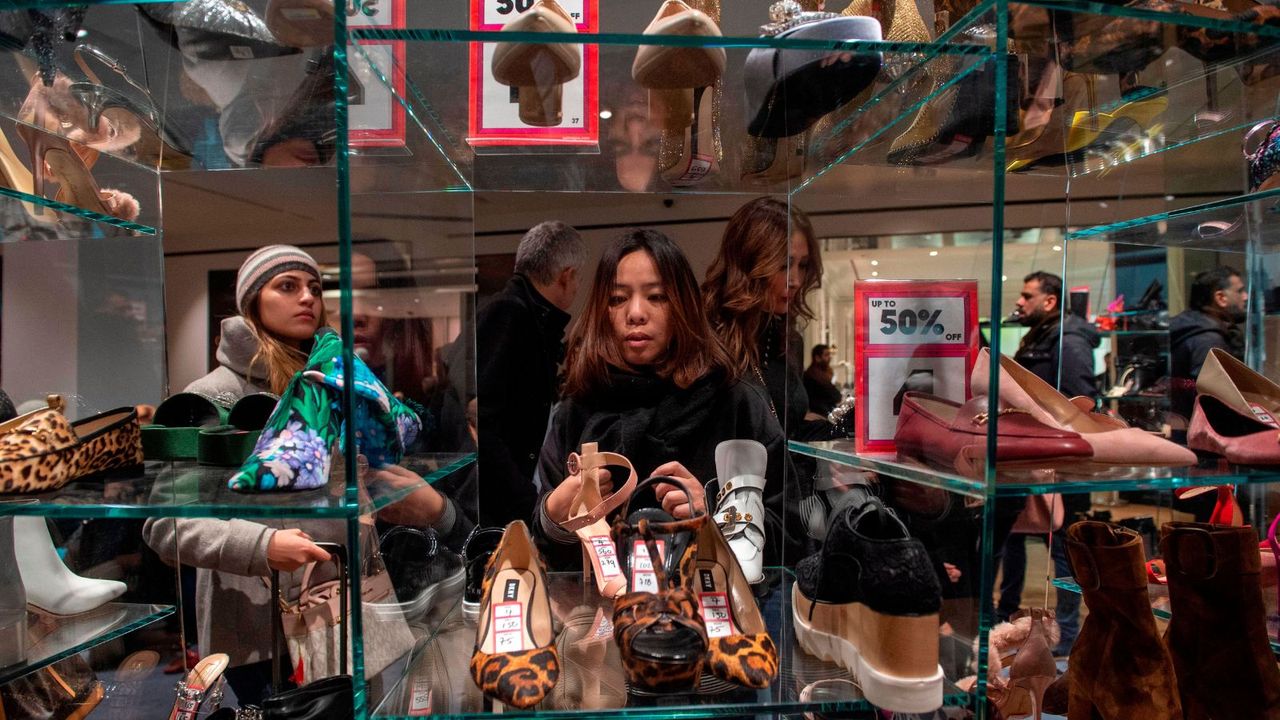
[917, 335]
[493, 118]
[375, 115]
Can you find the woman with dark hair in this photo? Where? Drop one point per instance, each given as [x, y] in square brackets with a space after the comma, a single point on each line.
[646, 377]
[755, 292]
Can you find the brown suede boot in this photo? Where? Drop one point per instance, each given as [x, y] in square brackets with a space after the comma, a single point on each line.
[1120, 668]
[1218, 632]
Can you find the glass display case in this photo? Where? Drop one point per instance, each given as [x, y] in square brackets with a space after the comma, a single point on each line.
[1036, 190]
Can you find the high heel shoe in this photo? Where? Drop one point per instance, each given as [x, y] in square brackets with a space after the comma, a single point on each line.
[657, 625]
[539, 71]
[515, 659]
[588, 513]
[203, 683]
[51, 586]
[15, 176]
[684, 91]
[54, 159]
[1033, 669]
[156, 146]
[739, 647]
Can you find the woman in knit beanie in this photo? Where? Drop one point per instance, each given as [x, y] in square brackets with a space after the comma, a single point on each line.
[279, 298]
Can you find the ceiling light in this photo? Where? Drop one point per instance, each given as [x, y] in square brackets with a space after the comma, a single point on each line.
[875, 262]
[606, 114]
[875, 274]
[1169, 198]
[933, 253]
[1057, 248]
[1004, 278]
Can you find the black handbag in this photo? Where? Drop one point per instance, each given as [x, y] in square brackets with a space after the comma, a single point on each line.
[331, 698]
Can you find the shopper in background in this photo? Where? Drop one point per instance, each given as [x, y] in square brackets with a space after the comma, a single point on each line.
[646, 377]
[1214, 317]
[1059, 350]
[278, 294]
[520, 334]
[818, 381]
[1039, 307]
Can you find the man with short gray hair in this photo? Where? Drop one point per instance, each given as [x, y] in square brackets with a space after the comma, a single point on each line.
[519, 346]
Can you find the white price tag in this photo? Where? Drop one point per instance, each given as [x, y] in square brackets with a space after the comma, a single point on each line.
[916, 321]
[643, 578]
[715, 613]
[501, 12]
[604, 550]
[420, 699]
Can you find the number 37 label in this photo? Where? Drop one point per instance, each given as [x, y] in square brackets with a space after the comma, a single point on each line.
[916, 320]
[501, 12]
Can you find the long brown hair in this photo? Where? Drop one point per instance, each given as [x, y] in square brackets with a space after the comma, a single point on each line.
[694, 351]
[277, 359]
[756, 245]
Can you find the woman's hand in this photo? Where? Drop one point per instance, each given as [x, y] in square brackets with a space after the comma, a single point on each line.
[684, 500]
[290, 549]
[560, 500]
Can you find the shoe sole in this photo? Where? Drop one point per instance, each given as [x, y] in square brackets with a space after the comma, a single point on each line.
[882, 688]
[421, 606]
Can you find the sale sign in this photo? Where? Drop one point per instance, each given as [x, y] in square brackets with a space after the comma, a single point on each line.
[494, 109]
[376, 76]
[909, 335]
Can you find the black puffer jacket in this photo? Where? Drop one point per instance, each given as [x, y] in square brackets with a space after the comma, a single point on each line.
[1038, 352]
[1192, 334]
[652, 422]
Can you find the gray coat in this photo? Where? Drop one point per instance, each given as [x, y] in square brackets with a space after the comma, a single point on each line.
[233, 612]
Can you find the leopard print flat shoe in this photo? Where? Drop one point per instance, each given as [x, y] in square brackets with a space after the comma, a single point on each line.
[43, 451]
[515, 659]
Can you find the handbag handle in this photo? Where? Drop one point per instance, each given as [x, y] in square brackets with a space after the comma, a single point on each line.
[338, 554]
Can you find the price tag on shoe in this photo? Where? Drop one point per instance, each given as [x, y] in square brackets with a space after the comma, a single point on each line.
[909, 335]
[494, 116]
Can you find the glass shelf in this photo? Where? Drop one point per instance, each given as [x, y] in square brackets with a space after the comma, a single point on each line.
[65, 636]
[188, 489]
[843, 453]
[1224, 225]
[1159, 595]
[592, 683]
[1009, 483]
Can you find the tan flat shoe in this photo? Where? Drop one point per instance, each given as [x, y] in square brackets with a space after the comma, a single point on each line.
[539, 70]
[664, 67]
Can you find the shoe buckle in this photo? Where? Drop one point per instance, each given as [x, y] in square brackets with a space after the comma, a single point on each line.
[574, 464]
[982, 417]
[1174, 552]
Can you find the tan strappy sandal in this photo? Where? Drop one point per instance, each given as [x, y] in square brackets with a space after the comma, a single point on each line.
[587, 515]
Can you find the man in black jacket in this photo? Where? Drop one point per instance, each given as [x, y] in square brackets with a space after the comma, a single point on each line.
[1039, 308]
[520, 343]
[1216, 307]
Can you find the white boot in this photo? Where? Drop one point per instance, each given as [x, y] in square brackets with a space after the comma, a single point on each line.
[50, 584]
[740, 468]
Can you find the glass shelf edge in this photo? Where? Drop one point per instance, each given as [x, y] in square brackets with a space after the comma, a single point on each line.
[921, 475]
[8, 675]
[79, 212]
[1236, 201]
[636, 39]
[455, 466]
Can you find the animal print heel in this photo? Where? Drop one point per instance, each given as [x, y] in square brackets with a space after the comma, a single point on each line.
[659, 630]
[739, 647]
[515, 659]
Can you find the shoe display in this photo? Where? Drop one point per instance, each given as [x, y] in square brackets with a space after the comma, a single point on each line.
[1120, 667]
[1217, 633]
[789, 90]
[157, 145]
[201, 690]
[1264, 160]
[869, 601]
[42, 451]
[1218, 428]
[539, 71]
[1033, 669]
[424, 574]
[515, 657]
[952, 435]
[588, 513]
[739, 493]
[1113, 442]
[678, 67]
[591, 676]
[50, 584]
[479, 546]
[739, 649]
[658, 624]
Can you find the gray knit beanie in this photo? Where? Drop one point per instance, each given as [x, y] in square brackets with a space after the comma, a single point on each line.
[264, 264]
